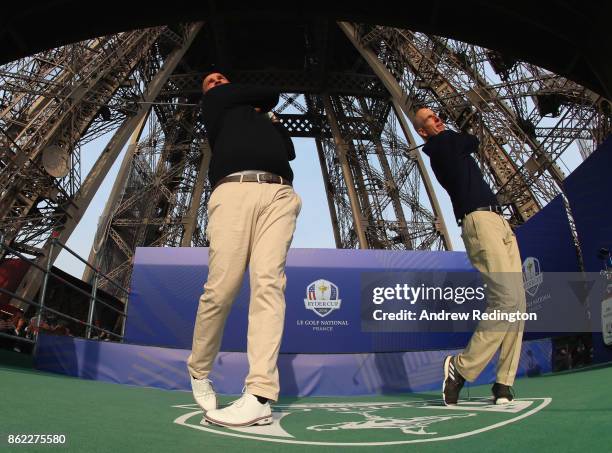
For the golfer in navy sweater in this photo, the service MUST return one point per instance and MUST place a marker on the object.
(492, 249)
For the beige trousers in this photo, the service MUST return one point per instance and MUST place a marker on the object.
(248, 224)
(492, 248)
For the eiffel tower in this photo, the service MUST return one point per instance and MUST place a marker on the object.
(352, 88)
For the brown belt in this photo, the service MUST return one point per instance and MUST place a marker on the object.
(267, 178)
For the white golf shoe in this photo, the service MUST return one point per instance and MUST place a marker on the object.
(204, 394)
(246, 411)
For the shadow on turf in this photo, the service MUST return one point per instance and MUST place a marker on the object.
(12, 359)
(434, 399)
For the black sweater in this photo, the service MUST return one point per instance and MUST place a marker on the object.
(240, 137)
(452, 163)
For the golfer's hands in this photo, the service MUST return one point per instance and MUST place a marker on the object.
(271, 115)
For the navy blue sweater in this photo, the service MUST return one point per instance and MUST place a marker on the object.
(242, 138)
(451, 161)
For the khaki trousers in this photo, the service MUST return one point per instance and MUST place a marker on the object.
(248, 224)
(492, 248)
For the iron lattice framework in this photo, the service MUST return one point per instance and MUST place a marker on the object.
(54, 103)
(355, 104)
(375, 184)
(160, 204)
(524, 116)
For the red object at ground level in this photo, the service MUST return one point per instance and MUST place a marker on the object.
(12, 272)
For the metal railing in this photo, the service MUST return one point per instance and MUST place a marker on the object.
(48, 272)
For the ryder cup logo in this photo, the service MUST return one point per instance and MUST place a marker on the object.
(322, 297)
(532, 275)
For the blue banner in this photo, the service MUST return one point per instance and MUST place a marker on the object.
(547, 238)
(588, 192)
(322, 298)
(300, 374)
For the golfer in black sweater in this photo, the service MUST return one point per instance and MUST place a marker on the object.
(251, 220)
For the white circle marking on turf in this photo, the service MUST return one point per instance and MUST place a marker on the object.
(182, 420)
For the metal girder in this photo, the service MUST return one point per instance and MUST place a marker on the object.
(286, 81)
(415, 66)
(402, 104)
(341, 147)
(114, 198)
(439, 222)
(191, 218)
(384, 209)
(162, 196)
(329, 193)
(72, 213)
